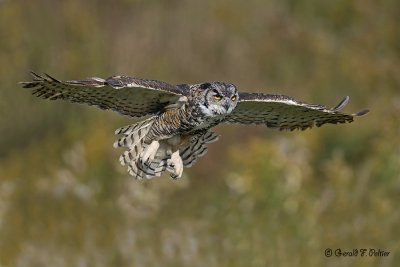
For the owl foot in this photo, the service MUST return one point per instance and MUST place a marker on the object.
(175, 165)
(148, 155)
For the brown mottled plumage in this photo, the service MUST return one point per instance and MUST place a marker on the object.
(177, 133)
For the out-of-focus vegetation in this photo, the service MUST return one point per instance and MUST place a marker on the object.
(259, 197)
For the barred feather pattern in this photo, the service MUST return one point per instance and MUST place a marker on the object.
(140, 170)
(129, 96)
(135, 140)
(163, 128)
(176, 121)
(197, 148)
(133, 134)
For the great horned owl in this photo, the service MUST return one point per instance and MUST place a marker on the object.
(177, 130)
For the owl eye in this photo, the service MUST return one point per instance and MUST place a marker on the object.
(233, 98)
(217, 97)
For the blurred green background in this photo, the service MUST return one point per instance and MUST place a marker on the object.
(260, 197)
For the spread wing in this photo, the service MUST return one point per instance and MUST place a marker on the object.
(127, 95)
(286, 113)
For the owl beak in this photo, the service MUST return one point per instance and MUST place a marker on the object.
(226, 106)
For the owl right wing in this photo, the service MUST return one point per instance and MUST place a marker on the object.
(286, 113)
(129, 96)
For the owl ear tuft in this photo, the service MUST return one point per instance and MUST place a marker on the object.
(205, 85)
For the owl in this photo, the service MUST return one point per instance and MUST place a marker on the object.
(175, 131)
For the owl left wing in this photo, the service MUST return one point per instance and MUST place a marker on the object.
(129, 96)
(286, 113)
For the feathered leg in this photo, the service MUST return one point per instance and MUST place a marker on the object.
(148, 155)
(175, 165)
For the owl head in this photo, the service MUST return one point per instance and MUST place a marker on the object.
(216, 98)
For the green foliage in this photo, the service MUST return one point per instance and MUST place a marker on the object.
(259, 197)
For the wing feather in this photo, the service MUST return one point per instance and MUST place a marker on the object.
(127, 95)
(197, 148)
(286, 113)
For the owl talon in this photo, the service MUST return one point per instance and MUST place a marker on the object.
(148, 155)
(175, 165)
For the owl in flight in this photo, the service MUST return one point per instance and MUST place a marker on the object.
(176, 131)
